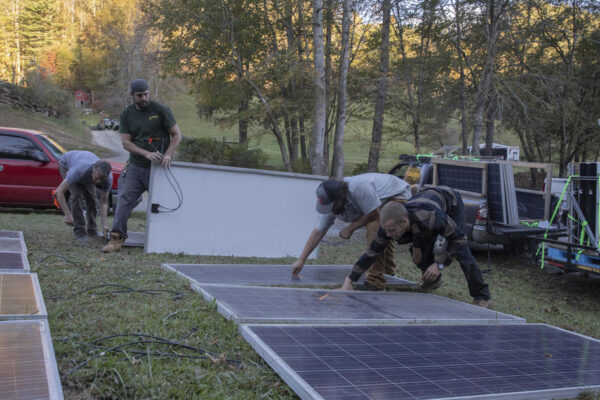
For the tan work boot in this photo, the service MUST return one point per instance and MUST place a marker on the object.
(483, 303)
(115, 243)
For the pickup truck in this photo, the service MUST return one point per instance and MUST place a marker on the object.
(29, 172)
(498, 212)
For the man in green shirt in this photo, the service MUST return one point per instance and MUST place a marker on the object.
(150, 134)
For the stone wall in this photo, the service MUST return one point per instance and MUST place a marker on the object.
(15, 97)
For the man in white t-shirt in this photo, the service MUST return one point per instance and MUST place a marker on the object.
(357, 200)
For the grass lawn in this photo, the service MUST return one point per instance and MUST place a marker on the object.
(79, 315)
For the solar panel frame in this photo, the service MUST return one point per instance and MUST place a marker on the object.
(247, 274)
(135, 239)
(276, 305)
(17, 255)
(13, 245)
(50, 366)
(41, 313)
(11, 234)
(315, 367)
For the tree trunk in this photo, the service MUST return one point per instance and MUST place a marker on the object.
(328, 33)
(489, 129)
(337, 166)
(243, 122)
(317, 161)
(377, 133)
(303, 152)
(274, 124)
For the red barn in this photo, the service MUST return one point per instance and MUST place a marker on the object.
(82, 98)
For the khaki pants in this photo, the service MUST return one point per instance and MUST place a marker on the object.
(384, 263)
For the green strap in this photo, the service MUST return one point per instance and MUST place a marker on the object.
(560, 200)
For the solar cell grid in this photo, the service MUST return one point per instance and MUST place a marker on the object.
(248, 304)
(26, 369)
(10, 244)
(20, 297)
(456, 370)
(12, 261)
(11, 234)
(495, 193)
(460, 177)
(265, 275)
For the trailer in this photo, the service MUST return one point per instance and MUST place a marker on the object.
(577, 248)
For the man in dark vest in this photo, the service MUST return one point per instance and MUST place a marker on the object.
(429, 218)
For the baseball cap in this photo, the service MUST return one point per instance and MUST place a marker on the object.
(327, 193)
(138, 85)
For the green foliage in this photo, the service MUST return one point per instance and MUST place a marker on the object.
(44, 93)
(360, 168)
(212, 151)
(301, 167)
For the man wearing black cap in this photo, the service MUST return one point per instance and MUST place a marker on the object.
(150, 134)
(357, 200)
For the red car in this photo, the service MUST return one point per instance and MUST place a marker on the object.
(29, 169)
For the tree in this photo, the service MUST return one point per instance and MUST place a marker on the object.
(337, 167)
(382, 84)
(317, 161)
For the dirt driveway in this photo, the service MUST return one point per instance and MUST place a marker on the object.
(112, 141)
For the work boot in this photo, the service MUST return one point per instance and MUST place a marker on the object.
(484, 303)
(366, 287)
(115, 243)
(429, 286)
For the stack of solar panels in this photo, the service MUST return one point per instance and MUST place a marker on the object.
(393, 345)
(27, 363)
(510, 194)
(502, 197)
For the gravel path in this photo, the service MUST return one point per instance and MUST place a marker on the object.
(112, 141)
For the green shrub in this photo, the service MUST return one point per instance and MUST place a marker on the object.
(360, 168)
(47, 96)
(301, 167)
(239, 155)
(211, 151)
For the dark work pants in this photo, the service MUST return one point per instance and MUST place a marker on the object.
(137, 180)
(478, 289)
(80, 193)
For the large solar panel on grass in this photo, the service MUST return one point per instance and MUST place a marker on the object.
(249, 304)
(527, 361)
(273, 275)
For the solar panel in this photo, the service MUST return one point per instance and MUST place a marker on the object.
(135, 239)
(248, 304)
(530, 205)
(10, 261)
(526, 361)
(21, 297)
(10, 244)
(495, 193)
(460, 177)
(271, 275)
(11, 234)
(27, 363)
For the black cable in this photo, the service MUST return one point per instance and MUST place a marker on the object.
(177, 190)
(158, 341)
(125, 289)
(57, 255)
